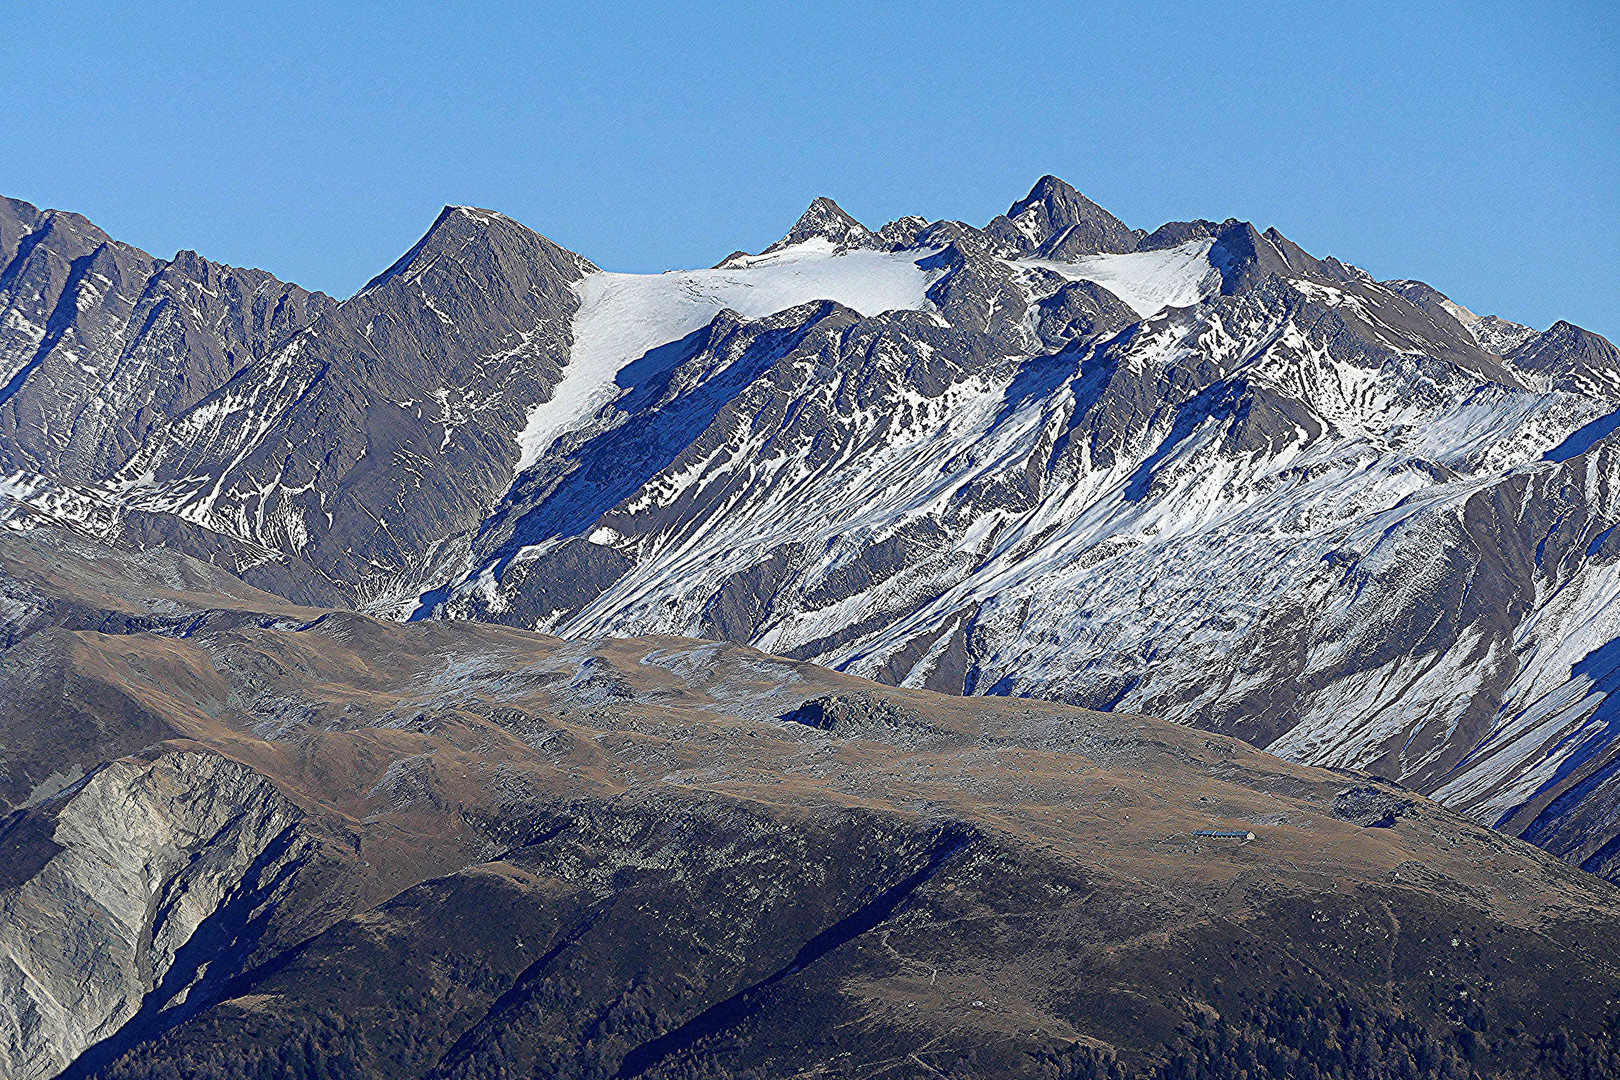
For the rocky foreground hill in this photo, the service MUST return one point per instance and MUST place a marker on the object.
(1198, 472)
(244, 838)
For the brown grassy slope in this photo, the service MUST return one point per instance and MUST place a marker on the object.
(665, 877)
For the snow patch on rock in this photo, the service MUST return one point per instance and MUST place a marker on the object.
(1148, 281)
(623, 316)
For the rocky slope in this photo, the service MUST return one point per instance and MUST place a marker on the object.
(1197, 472)
(101, 344)
(353, 848)
(333, 458)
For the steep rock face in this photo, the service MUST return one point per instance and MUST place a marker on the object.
(100, 343)
(364, 441)
(105, 886)
(331, 450)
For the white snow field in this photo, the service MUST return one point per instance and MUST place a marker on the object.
(1148, 281)
(622, 316)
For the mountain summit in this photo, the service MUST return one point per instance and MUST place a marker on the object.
(1056, 221)
(824, 220)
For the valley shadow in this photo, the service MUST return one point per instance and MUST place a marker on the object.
(1087, 366)
(731, 1012)
(1088, 371)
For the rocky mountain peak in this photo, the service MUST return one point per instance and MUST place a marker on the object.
(1057, 222)
(25, 230)
(1570, 358)
(461, 231)
(1175, 233)
(902, 232)
(826, 220)
(380, 456)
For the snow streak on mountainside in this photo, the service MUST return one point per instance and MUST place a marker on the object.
(1196, 472)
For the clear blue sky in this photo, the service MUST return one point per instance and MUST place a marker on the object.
(1472, 145)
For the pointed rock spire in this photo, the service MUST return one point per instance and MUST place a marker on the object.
(1054, 221)
(826, 220)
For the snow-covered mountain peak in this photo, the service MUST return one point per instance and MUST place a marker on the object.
(1569, 358)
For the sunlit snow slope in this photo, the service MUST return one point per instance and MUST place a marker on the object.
(621, 317)
(1149, 281)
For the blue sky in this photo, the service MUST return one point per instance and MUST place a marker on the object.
(1472, 145)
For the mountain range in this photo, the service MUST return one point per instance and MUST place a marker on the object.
(1196, 473)
(847, 659)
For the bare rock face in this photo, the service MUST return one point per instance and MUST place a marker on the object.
(1373, 807)
(367, 441)
(101, 344)
(329, 451)
(856, 715)
(109, 882)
